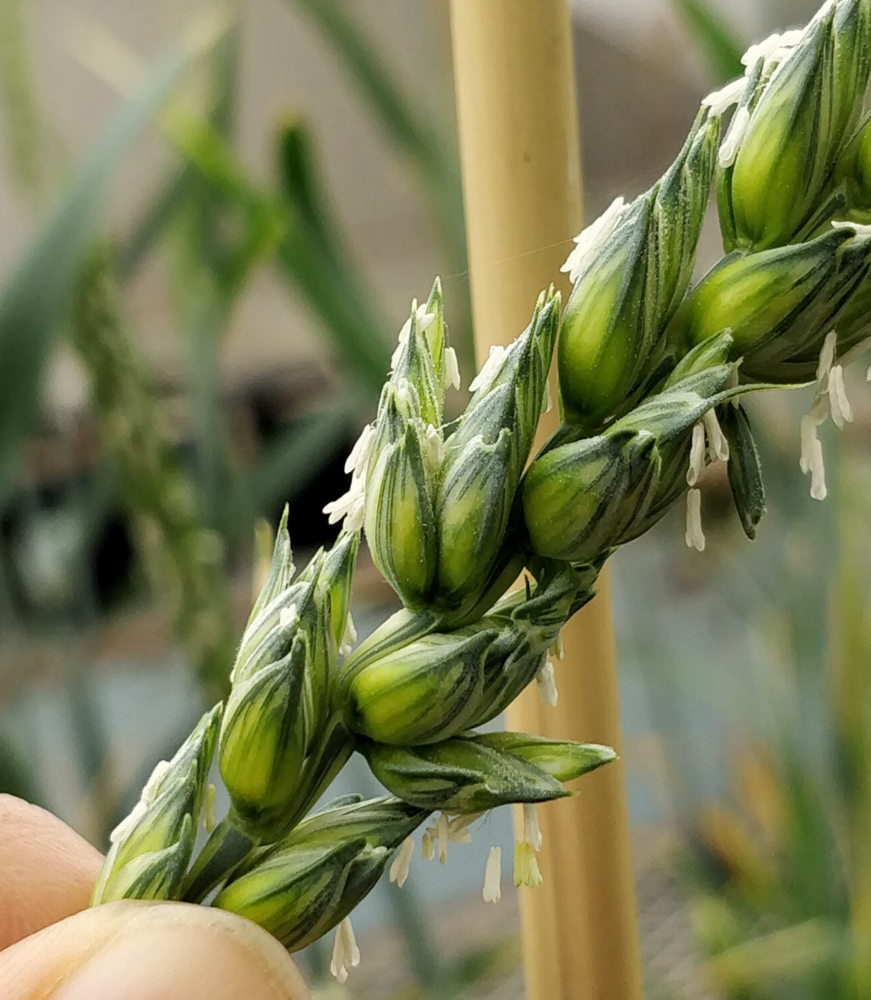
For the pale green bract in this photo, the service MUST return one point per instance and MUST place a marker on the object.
(650, 379)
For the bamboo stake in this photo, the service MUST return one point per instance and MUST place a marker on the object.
(522, 183)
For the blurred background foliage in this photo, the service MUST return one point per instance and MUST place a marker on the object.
(211, 221)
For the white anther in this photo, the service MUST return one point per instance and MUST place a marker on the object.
(526, 870)
(718, 446)
(349, 638)
(842, 412)
(531, 829)
(287, 616)
(590, 240)
(695, 536)
(346, 954)
(152, 786)
(452, 368)
(427, 844)
(351, 505)
(127, 825)
(775, 48)
(734, 137)
(721, 100)
(490, 369)
(827, 359)
(402, 862)
(547, 405)
(546, 680)
(362, 448)
(434, 448)
(493, 876)
(697, 455)
(209, 802)
(862, 231)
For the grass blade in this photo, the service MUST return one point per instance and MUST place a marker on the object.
(40, 290)
(716, 38)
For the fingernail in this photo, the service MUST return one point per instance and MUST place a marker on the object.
(177, 952)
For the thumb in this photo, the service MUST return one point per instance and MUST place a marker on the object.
(150, 951)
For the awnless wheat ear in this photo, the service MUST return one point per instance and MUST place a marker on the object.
(650, 378)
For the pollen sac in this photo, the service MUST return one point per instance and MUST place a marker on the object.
(584, 498)
(310, 880)
(476, 773)
(778, 305)
(802, 104)
(485, 456)
(423, 692)
(611, 342)
(151, 849)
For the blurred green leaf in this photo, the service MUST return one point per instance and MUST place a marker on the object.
(385, 97)
(716, 38)
(334, 296)
(299, 176)
(15, 776)
(431, 154)
(152, 224)
(39, 292)
(23, 124)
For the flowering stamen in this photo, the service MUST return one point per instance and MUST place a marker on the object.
(861, 231)
(351, 505)
(362, 448)
(695, 536)
(349, 638)
(697, 455)
(547, 404)
(531, 829)
(721, 100)
(526, 870)
(490, 369)
(546, 681)
(443, 837)
(590, 240)
(458, 827)
(402, 862)
(209, 800)
(434, 448)
(827, 359)
(830, 400)
(423, 319)
(427, 844)
(346, 954)
(842, 412)
(287, 616)
(775, 48)
(452, 368)
(718, 446)
(493, 876)
(734, 138)
(811, 461)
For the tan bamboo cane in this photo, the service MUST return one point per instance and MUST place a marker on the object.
(522, 182)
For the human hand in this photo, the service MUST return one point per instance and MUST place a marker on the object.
(52, 947)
